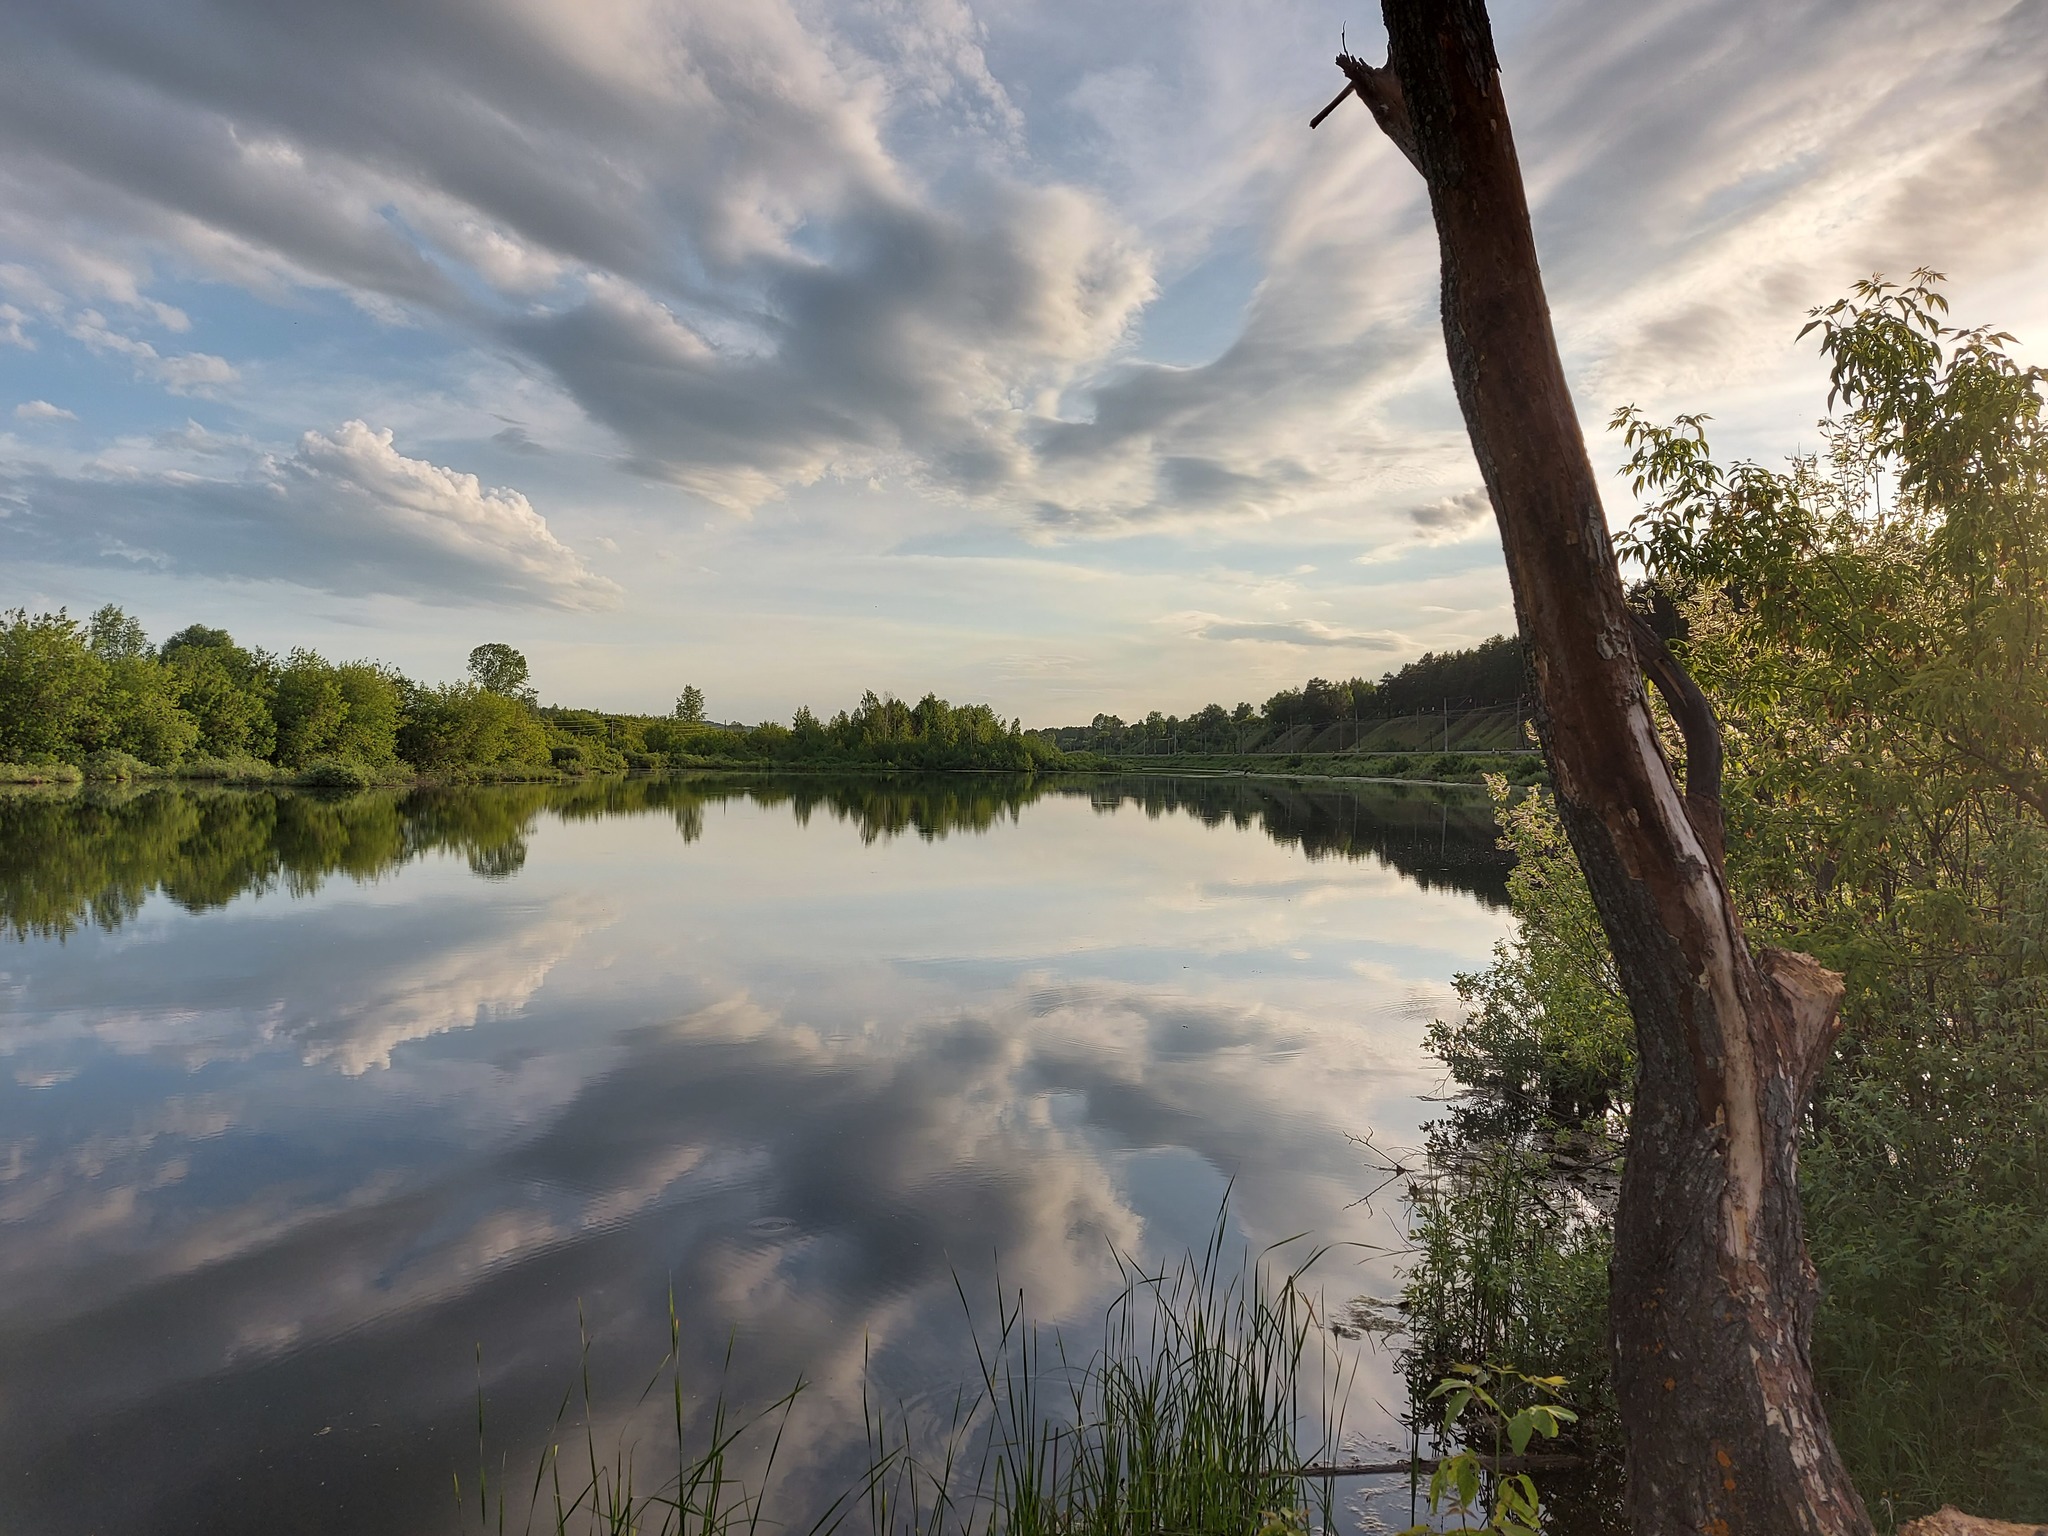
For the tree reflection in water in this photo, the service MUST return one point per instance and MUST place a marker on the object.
(71, 858)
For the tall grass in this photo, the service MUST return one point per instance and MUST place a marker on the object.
(1188, 1419)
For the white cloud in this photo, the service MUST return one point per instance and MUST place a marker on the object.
(42, 410)
(768, 250)
(345, 513)
(357, 475)
(1308, 632)
(185, 373)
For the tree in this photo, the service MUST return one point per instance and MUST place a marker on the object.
(463, 726)
(690, 705)
(497, 668)
(50, 682)
(140, 710)
(115, 635)
(225, 689)
(1713, 1294)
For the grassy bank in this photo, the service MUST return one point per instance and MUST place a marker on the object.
(322, 773)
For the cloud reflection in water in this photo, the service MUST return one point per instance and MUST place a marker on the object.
(301, 1147)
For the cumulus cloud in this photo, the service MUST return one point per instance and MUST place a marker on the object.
(345, 513)
(42, 410)
(1298, 632)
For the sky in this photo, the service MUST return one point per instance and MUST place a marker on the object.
(1027, 351)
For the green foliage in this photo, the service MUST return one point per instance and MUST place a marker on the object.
(325, 710)
(229, 770)
(39, 773)
(463, 726)
(1544, 1039)
(334, 773)
(116, 636)
(113, 766)
(497, 668)
(1510, 1249)
(1871, 624)
(690, 705)
(140, 711)
(225, 691)
(1455, 1486)
(50, 683)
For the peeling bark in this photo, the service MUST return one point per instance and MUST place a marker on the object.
(1712, 1292)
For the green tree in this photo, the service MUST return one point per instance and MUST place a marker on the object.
(690, 705)
(309, 708)
(373, 696)
(462, 726)
(50, 686)
(140, 711)
(1869, 624)
(226, 689)
(497, 668)
(115, 635)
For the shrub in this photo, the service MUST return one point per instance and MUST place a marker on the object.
(113, 765)
(39, 773)
(335, 773)
(236, 770)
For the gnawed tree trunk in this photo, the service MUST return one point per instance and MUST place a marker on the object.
(1712, 1294)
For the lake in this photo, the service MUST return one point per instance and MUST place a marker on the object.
(320, 1112)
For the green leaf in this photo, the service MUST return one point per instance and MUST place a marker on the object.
(1520, 1428)
(1468, 1480)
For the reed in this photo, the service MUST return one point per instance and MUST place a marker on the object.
(1189, 1418)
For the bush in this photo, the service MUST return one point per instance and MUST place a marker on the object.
(335, 773)
(583, 755)
(114, 765)
(39, 773)
(235, 770)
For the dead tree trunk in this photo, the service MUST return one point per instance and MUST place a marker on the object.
(1712, 1293)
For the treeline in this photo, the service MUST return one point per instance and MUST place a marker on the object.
(95, 699)
(1487, 676)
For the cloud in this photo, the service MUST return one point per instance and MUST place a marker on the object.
(1452, 515)
(42, 410)
(517, 440)
(185, 373)
(749, 247)
(1298, 632)
(345, 513)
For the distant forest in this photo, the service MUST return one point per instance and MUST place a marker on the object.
(95, 699)
(1488, 676)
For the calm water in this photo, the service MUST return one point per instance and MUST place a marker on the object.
(306, 1100)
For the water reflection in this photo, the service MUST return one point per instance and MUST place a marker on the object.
(302, 1098)
(73, 857)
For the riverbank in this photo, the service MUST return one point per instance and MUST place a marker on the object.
(1450, 768)
(326, 773)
